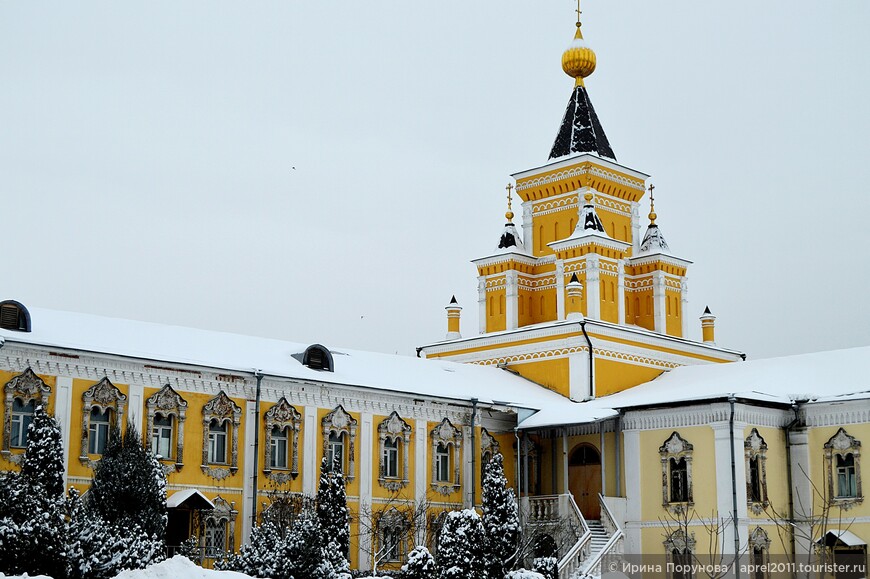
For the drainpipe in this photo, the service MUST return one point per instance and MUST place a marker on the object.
(731, 401)
(473, 442)
(259, 378)
(591, 360)
(795, 407)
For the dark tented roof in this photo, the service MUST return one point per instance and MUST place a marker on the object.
(581, 132)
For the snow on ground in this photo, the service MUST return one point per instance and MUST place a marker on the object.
(179, 566)
(174, 568)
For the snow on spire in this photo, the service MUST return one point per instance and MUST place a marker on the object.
(510, 238)
(653, 240)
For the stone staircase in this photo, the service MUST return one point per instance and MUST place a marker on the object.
(592, 539)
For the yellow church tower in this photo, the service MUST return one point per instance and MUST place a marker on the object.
(579, 302)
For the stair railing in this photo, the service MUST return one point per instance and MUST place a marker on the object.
(592, 567)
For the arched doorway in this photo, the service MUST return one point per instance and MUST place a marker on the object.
(584, 479)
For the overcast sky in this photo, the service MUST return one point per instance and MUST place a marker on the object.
(325, 171)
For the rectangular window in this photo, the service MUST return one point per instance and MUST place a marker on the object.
(754, 480)
(22, 417)
(279, 448)
(335, 451)
(98, 430)
(217, 442)
(161, 436)
(679, 481)
(442, 463)
(846, 483)
(392, 544)
(391, 458)
(215, 538)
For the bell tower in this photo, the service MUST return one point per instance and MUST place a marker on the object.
(581, 273)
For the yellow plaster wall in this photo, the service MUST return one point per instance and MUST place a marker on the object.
(75, 467)
(458, 455)
(5, 377)
(821, 476)
(496, 306)
(673, 313)
(614, 375)
(551, 373)
(378, 490)
(609, 295)
(703, 471)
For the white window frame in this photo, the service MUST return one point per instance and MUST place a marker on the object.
(278, 447)
(21, 421)
(674, 450)
(221, 410)
(217, 441)
(340, 424)
(99, 431)
(162, 436)
(168, 403)
(285, 418)
(102, 396)
(448, 437)
(26, 386)
(755, 452)
(840, 446)
(394, 440)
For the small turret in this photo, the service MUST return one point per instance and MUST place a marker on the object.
(453, 314)
(708, 326)
(574, 303)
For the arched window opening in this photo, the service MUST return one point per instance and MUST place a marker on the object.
(679, 480)
(14, 316)
(584, 455)
(217, 441)
(335, 451)
(317, 357)
(161, 436)
(99, 429)
(278, 445)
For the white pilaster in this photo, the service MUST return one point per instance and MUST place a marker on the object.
(635, 228)
(684, 304)
(659, 306)
(593, 287)
(366, 462)
(63, 414)
(802, 488)
(724, 487)
(560, 289)
(620, 292)
(511, 294)
(481, 304)
(528, 234)
(250, 464)
(310, 468)
(135, 404)
(421, 459)
(578, 376)
(633, 487)
(467, 471)
(565, 486)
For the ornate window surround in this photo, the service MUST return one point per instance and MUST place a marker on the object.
(842, 444)
(682, 543)
(675, 447)
(105, 396)
(451, 437)
(222, 409)
(759, 539)
(26, 386)
(224, 513)
(393, 428)
(489, 447)
(167, 402)
(393, 519)
(282, 415)
(755, 448)
(340, 423)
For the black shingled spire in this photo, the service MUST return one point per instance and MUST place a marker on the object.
(581, 132)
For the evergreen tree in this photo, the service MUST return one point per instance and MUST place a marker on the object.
(257, 557)
(501, 519)
(32, 525)
(420, 565)
(43, 459)
(332, 506)
(129, 487)
(461, 547)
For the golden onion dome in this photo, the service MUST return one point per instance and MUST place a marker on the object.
(578, 61)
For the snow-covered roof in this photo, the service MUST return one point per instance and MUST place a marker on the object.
(829, 376)
(190, 498)
(234, 352)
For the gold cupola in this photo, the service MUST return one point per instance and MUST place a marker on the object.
(578, 61)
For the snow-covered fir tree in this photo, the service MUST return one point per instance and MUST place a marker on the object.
(32, 523)
(129, 486)
(420, 565)
(501, 519)
(257, 557)
(43, 459)
(461, 547)
(332, 506)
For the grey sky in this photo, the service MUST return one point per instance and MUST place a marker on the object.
(147, 155)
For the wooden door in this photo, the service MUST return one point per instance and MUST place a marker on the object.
(584, 480)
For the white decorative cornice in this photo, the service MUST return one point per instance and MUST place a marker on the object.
(579, 165)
